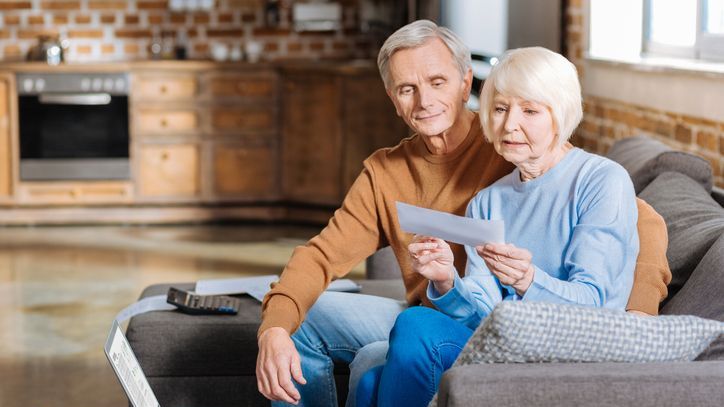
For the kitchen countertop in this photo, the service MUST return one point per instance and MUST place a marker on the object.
(339, 67)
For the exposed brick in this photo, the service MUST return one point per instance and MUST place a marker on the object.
(60, 19)
(316, 46)
(12, 52)
(225, 18)
(108, 49)
(708, 140)
(85, 34)
(270, 31)
(271, 46)
(152, 5)
(60, 5)
(130, 48)
(108, 18)
(107, 5)
(12, 19)
(248, 17)
(201, 19)
(129, 33)
(83, 19)
(15, 5)
(232, 4)
(201, 49)
(131, 19)
(155, 19)
(696, 121)
(236, 33)
(33, 34)
(4, 34)
(683, 134)
(178, 18)
(84, 49)
(36, 20)
(294, 46)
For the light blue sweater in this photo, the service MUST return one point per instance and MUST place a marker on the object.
(578, 220)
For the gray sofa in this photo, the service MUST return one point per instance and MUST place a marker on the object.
(210, 360)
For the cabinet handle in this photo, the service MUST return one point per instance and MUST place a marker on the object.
(164, 122)
(164, 156)
(163, 89)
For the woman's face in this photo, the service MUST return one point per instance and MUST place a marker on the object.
(524, 130)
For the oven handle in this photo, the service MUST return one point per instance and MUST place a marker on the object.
(87, 99)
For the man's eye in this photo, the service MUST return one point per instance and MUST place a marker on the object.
(407, 90)
(437, 84)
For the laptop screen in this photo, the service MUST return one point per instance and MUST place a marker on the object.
(127, 369)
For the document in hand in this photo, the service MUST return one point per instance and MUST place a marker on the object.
(449, 227)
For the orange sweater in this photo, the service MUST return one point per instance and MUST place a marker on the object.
(367, 221)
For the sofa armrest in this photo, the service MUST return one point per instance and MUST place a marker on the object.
(718, 195)
(585, 384)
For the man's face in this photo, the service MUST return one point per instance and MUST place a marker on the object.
(426, 87)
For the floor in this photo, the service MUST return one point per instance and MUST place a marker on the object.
(60, 288)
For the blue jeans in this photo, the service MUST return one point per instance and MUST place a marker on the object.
(342, 327)
(424, 343)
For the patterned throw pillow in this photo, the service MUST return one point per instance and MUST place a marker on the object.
(530, 332)
(521, 332)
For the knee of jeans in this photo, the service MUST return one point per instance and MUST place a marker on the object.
(367, 387)
(409, 322)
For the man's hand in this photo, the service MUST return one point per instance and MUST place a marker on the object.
(277, 363)
(433, 259)
(511, 265)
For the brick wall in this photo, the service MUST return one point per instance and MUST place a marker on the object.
(606, 121)
(110, 30)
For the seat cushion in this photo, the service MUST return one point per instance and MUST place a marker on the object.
(694, 221)
(645, 159)
(702, 295)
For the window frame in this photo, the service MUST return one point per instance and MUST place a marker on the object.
(708, 46)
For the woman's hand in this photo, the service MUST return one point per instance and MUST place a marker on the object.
(511, 265)
(433, 259)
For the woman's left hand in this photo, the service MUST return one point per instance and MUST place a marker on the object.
(510, 264)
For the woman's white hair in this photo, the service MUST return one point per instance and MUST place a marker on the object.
(416, 34)
(539, 75)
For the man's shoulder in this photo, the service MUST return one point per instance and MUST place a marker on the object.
(386, 156)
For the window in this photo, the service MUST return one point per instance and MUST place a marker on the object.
(672, 28)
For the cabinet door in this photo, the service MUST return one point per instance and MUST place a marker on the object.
(164, 87)
(244, 172)
(370, 123)
(311, 141)
(6, 154)
(169, 171)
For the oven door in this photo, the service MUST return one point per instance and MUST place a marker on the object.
(67, 136)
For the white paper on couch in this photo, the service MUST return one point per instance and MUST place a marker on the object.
(258, 286)
(449, 227)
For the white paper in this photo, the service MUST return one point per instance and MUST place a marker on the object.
(129, 372)
(449, 227)
(153, 303)
(257, 287)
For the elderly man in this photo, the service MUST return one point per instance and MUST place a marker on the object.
(427, 72)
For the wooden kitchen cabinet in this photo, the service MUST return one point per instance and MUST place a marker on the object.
(332, 121)
(7, 123)
(168, 171)
(244, 172)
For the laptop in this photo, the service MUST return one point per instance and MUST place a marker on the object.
(127, 369)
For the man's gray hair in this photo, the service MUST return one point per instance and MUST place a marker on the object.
(416, 34)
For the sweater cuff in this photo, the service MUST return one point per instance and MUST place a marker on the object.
(279, 310)
(649, 289)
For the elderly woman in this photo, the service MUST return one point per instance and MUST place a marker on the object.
(570, 219)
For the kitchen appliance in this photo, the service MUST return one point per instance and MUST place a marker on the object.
(73, 126)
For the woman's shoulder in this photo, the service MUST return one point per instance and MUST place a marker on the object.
(599, 167)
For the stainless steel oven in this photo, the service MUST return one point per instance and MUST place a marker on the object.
(73, 126)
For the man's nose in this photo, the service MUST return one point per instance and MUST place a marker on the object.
(424, 97)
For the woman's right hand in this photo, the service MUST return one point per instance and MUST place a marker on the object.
(433, 259)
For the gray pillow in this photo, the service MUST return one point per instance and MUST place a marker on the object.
(693, 219)
(523, 332)
(702, 295)
(645, 159)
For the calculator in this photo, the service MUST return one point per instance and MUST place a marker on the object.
(197, 304)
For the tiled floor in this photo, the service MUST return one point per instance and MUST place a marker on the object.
(61, 287)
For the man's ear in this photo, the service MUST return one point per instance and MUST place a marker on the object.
(392, 99)
(467, 84)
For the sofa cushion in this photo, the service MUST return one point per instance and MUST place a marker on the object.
(645, 159)
(693, 219)
(521, 332)
(702, 295)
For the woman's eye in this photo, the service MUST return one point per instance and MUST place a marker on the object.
(500, 109)
(530, 111)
